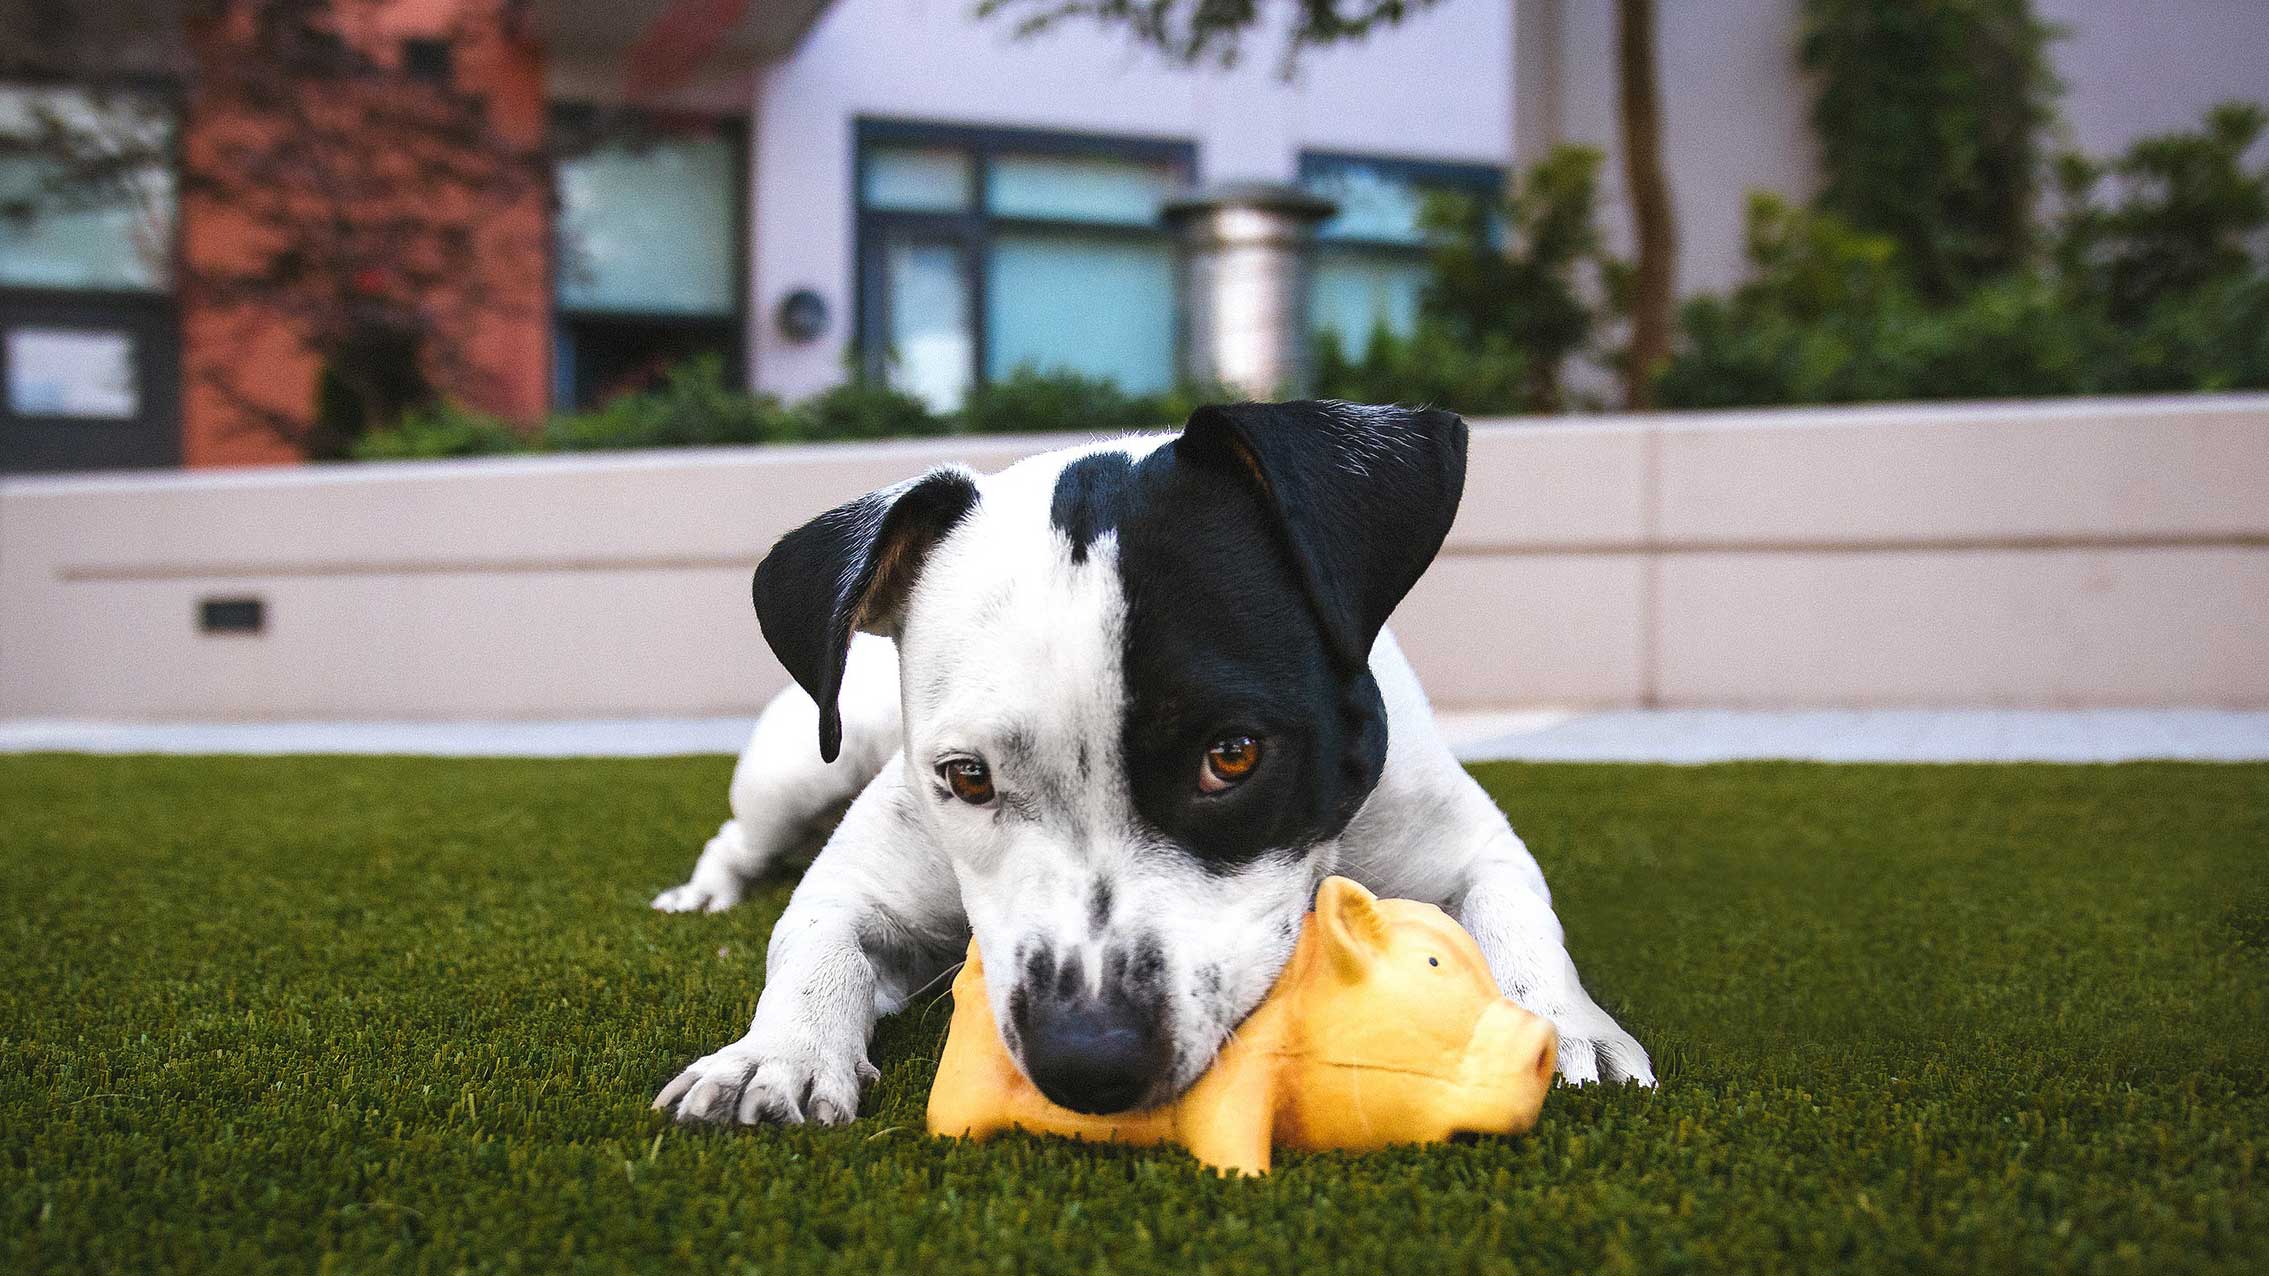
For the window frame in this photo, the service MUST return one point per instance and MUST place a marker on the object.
(152, 438)
(733, 128)
(973, 229)
(1481, 180)
(1475, 178)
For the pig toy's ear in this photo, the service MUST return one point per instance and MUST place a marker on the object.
(1353, 931)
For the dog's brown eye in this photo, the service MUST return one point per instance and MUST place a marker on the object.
(1228, 762)
(970, 780)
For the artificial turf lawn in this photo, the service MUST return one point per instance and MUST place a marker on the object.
(407, 1015)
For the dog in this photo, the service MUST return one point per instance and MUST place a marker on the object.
(1117, 710)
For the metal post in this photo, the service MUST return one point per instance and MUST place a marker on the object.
(1245, 251)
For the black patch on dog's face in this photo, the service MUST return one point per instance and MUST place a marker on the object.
(1221, 641)
(1088, 493)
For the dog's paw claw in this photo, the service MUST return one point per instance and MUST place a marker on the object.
(760, 1087)
(698, 897)
(1597, 1049)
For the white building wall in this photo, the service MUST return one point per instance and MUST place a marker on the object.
(2130, 69)
(1439, 87)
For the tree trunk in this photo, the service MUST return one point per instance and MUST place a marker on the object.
(1654, 276)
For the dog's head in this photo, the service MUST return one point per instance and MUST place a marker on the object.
(1138, 704)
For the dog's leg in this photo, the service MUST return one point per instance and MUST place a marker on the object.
(1508, 911)
(877, 920)
(1430, 831)
(781, 788)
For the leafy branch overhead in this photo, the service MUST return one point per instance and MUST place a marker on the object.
(1189, 31)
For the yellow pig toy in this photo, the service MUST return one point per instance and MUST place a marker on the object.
(1385, 1027)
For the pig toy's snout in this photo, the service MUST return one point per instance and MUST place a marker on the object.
(1509, 1069)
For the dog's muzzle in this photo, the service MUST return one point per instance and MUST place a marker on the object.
(1090, 1052)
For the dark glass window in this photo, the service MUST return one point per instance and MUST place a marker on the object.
(649, 264)
(984, 251)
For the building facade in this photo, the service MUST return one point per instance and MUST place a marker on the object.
(807, 189)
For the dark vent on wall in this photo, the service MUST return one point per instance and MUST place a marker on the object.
(232, 616)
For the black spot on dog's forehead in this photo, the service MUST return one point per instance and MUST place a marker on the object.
(1090, 495)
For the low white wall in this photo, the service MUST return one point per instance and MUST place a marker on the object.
(2084, 553)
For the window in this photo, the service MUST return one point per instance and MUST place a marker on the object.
(982, 252)
(648, 264)
(86, 191)
(1370, 264)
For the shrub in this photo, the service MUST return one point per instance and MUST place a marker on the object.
(1515, 273)
(442, 429)
(1029, 400)
(2157, 289)
(1929, 118)
(692, 407)
(1431, 366)
(2185, 215)
(2215, 337)
(863, 409)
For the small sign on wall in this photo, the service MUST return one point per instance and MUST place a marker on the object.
(72, 372)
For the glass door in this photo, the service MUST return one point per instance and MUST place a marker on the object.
(924, 319)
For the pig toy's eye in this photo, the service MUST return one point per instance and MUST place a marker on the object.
(1433, 961)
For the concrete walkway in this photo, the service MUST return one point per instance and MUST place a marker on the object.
(1685, 735)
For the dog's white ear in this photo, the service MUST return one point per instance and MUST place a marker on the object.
(850, 569)
(1364, 497)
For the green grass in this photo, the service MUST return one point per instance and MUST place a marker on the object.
(404, 1015)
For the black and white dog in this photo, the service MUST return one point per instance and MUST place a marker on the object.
(1118, 710)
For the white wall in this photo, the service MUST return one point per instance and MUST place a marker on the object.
(1436, 88)
(2078, 553)
(2134, 69)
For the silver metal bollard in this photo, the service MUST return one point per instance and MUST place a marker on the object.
(1245, 251)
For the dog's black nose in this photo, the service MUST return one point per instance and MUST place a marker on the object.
(1094, 1055)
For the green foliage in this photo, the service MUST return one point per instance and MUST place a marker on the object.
(2186, 215)
(1528, 292)
(406, 1015)
(692, 407)
(1209, 30)
(1433, 366)
(863, 409)
(1929, 119)
(2158, 289)
(1828, 317)
(440, 430)
(1518, 287)
(1029, 400)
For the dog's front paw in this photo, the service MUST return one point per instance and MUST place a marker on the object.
(1594, 1047)
(755, 1084)
(701, 895)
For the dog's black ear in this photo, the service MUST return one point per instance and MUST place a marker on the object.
(849, 569)
(1364, 496)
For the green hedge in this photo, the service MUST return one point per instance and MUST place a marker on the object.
(693, 407)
